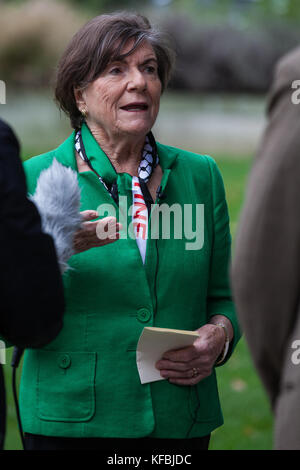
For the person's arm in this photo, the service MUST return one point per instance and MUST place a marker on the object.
(32, 299)
(266, 267)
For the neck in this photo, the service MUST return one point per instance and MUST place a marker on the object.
(123, 151)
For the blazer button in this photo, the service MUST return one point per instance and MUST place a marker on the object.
(143, 315)
(64, 361)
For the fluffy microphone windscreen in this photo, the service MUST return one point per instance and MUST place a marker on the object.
(57, 198)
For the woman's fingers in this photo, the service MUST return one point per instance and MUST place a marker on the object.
(103, 228)
(189, 376)
(89, 215)
(171, 373)
(107, 228)
(170, 365)
(187, 366)
(181, 355)
(97, 233)
(183, 370)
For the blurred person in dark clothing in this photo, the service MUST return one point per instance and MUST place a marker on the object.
(32, 299)
(266, 268)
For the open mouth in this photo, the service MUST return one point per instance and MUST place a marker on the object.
(135, 107)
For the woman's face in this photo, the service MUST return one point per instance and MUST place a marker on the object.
(125, 99)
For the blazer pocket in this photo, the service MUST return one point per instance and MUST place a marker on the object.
(66, 386)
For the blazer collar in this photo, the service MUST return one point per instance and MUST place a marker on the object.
(65, 154)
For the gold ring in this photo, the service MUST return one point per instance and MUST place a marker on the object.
(196, 371)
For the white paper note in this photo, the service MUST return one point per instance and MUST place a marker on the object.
(153, 343)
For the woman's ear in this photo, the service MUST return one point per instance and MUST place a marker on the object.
(78, 94)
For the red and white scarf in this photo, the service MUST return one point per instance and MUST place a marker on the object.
(139, 217)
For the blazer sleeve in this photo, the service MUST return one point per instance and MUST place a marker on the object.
(266, 267)
(219, 300)
(32, 299)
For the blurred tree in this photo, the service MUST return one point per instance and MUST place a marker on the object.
(292, 10)
(95, 5)
(109, 5)
(282, 10)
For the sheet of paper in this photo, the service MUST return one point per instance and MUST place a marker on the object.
(152, 343)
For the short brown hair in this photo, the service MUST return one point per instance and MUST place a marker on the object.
(99, 42)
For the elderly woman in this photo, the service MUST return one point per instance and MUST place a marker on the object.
(84, 388)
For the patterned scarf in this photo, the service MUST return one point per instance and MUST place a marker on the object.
(148, 162)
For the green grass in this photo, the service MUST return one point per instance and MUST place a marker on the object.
(235, 175)
(247, 416)
(248, 420)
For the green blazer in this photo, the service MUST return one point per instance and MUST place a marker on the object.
(86, 383)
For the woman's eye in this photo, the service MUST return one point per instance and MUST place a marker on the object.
(150, 69)
(115, 71)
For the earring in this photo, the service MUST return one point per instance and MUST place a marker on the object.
(84, 112)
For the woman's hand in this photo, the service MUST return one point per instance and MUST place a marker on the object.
(94, 234)
(190, 365)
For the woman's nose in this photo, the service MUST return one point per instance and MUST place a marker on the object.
(137, 80)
